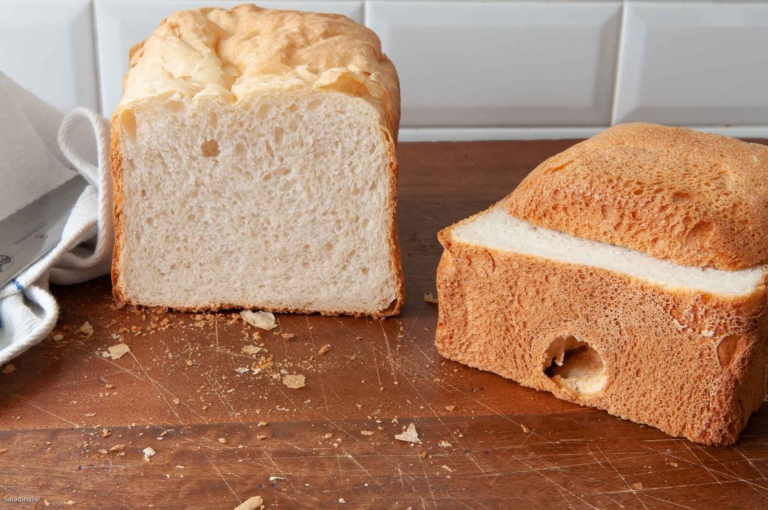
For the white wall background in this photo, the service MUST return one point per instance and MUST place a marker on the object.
(469, 70)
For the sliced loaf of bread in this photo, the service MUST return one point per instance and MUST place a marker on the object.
(253, 155)
(627, 274)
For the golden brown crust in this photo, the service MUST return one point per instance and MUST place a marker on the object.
(691, 364)
(239, 53)
(697, 199)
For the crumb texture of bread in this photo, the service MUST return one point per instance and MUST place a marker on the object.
(254, 163)
(687, 361)
(697, 199)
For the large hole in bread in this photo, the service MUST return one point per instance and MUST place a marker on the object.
(575, 366)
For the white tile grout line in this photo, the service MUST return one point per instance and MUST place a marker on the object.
(97, 61)
(619, 60)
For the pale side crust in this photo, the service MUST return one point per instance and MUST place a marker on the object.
(697, 199)
(116, 162)
(499, 311)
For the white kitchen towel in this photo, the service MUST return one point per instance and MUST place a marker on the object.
(28, 311)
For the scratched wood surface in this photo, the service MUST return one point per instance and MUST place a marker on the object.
(486, 441)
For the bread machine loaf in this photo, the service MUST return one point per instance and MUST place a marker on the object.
(253, 155)
(627, 273)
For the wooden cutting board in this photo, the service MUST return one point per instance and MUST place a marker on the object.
(74, 423)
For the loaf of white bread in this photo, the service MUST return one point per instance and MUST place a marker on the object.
(253, 155)
(627, 273)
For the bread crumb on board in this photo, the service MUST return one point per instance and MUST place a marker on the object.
(525, 429)
(324, 349)
(444, 444)
(9, 369)
(429, 298)
(262, 320)
(251, 349)
(288, 336)
(294, 381)
(86, 329)
(250, 503)
(148, 453)
(366, 432)
(410, 435)
(118, 351)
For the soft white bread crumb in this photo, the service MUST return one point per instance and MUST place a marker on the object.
(279, 202)
(497, 229)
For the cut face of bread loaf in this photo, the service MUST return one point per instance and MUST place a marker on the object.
(254, 164)
(679, 347)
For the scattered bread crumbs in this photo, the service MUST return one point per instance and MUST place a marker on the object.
(450, 408)
(242, 370)
(294, 381)
(273, 478)
(410, 435)
(324, 349)
(117, 448)
(358, 338)
(423, 455)
(447, 468)
(366, 432)
(105, 433)
(148, 453)
(250, 503)
(90, 415)
(222, 440)
(3, 450)
(429, 298)
(70, 503)
(444, 444)
(86, 329)
(251, 349)
(262, 320)
(176, 401)
(262, 424)
(328, 435)
(46, 503)
(288, 336)
(261, 437)
(118, 351)
(673, 464)
(525, 429)
(9, 369)
(58, 337)
(638, 486)
(341, 500)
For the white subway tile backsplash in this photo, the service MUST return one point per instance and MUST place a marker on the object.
(47, 47)
(693, 64)
(501, 64)
(124, 23)
(469, 69)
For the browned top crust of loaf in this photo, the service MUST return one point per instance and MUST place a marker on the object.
(697, 199)
(231, 54)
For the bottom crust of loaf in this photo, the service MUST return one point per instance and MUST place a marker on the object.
(689, 363)
(391, 311)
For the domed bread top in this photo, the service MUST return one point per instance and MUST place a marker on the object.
(694, 198)
(230, 55)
